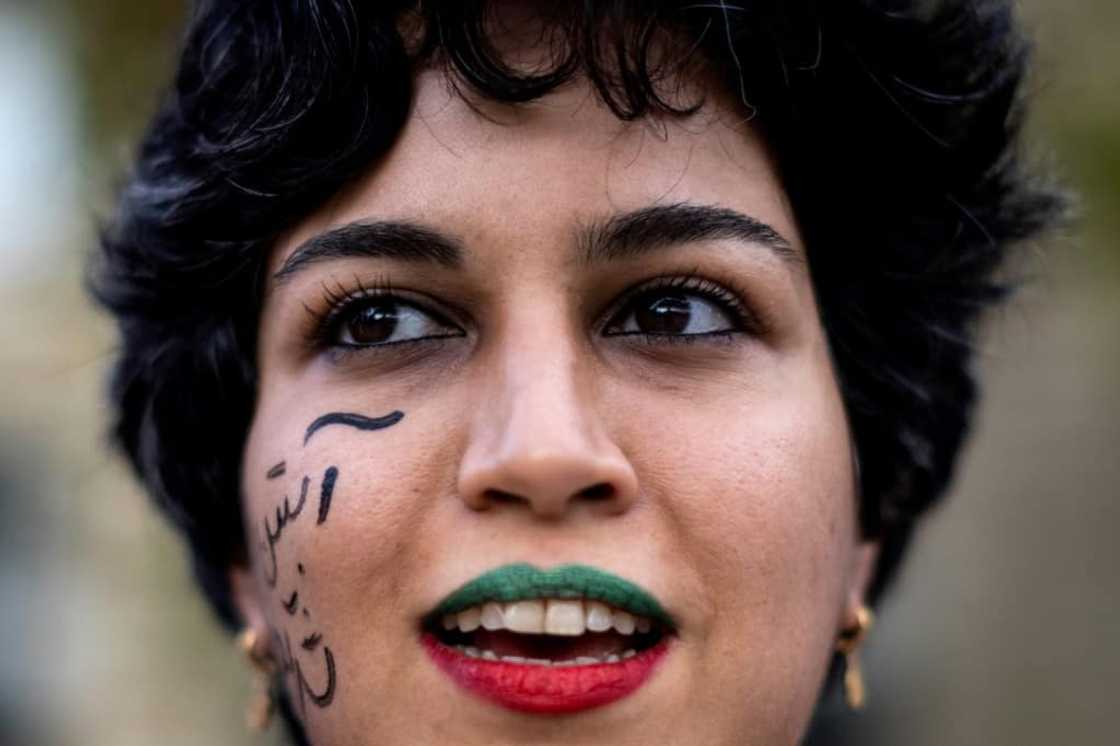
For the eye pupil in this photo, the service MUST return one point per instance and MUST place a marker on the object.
(374, 324)
(664, 314)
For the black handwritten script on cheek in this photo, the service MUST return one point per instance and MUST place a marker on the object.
(285, 514)
(326, 492)
(312, 654)
(359, 421)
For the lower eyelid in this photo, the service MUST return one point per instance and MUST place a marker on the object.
(340, 353)
(726, 335)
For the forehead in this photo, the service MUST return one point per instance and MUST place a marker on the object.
(472, 166)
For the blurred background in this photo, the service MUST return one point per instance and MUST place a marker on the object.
(1005, 627)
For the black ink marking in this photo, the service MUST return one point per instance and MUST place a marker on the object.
(306, 613)
(324, 699)
(283, 517)
(359, 421)
(276, 471)
(292, 603)
(325, 494)
(289, 664)
(299, 567)
(311, 642)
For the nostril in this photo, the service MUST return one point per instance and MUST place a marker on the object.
(500, 497)
(597, 492)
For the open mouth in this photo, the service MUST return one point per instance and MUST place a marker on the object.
(548, 632)
(548, 641)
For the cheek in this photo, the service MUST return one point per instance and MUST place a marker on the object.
(365, 534)
(378, 537)
(757, 482)
(767, 499)
(331, 560)
(760, 507)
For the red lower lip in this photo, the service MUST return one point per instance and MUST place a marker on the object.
(546, 689)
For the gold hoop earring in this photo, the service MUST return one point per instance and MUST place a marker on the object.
(261, 705)
(855, 692)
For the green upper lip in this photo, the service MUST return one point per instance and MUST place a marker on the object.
(523, 581)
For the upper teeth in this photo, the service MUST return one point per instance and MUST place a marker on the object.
(553, 616)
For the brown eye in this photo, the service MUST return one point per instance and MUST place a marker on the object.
(382, 321)
(668, 314)
(673, 313)
(372, 325)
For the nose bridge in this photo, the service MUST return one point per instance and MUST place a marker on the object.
(541, 382)
(538, 439)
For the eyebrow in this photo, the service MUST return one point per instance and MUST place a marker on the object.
(403, 241)
(632, 234)
(623, 236)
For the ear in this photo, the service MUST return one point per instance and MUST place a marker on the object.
(246, 594)
(859, 580)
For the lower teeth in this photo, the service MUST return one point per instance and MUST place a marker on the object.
(583, 660)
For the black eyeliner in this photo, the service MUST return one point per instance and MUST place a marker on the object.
(341, 304)
(729, 301)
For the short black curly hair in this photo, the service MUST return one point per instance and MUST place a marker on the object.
(895, 125)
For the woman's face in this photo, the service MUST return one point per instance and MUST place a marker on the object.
(545, 337)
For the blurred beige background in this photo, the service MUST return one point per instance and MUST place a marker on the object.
(1005, 627)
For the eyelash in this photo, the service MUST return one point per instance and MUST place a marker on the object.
(728, 302)
(341, 304)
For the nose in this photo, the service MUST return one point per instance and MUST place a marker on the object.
(538, 442)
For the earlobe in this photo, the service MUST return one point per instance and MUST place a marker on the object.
(255, 644)
(243, 590)
(859, 580)
(864, 560)
(856, 622)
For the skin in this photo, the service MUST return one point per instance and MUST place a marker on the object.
(727, 461)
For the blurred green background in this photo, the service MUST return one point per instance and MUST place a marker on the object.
(1004, 629)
